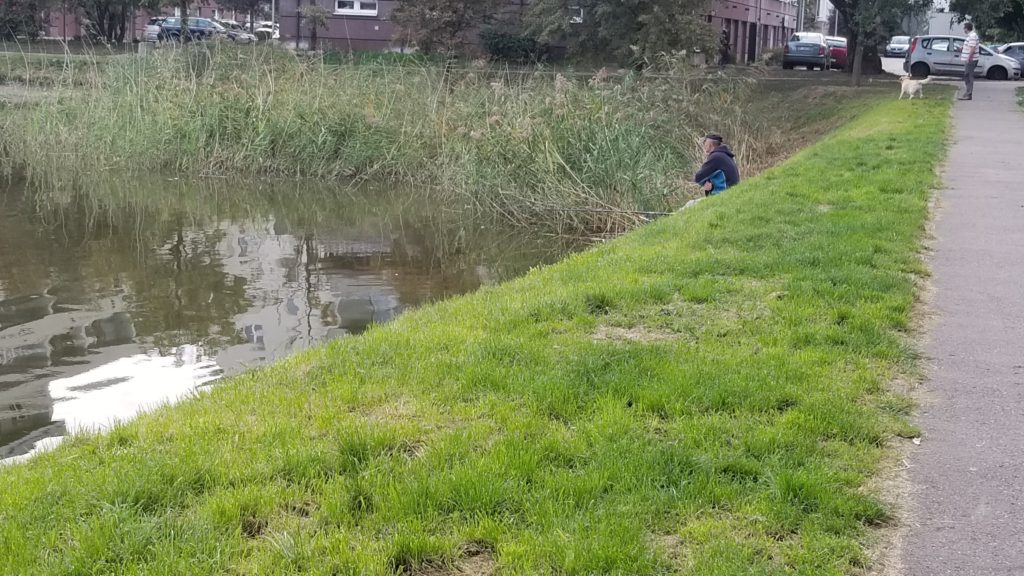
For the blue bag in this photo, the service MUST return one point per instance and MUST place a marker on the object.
(718, 184)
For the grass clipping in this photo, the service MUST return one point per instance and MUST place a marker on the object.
(521, 430)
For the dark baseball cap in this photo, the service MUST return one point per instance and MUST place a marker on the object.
(714, 137)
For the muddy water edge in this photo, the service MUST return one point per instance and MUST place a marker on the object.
(144, 290)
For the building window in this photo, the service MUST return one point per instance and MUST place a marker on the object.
(216, 14)
(355, 7)
(177, 11)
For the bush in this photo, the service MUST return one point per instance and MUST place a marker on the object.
(511, 47)
(20, 18)
(773, 57)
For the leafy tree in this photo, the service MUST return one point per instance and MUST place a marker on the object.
(1000, 19)
(107, 19)
(810, 13)
(624, 30)
(316, 18)
(442, 25)
(20, 18)
(871, 22)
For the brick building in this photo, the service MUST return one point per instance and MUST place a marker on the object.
(753, 25)
(67, 25)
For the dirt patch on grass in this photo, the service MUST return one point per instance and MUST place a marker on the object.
(672, 546)
(893, 483)
(476, 562)
(893, 486)
(633, 334)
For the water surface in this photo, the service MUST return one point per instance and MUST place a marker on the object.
(120, 298)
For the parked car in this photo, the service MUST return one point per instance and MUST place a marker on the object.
(941, 56)
(236, 32)
(897, 47)
(1014, 50)
(152, 31)
(837, 51)
(267, 30)
(806, 49)
(198, 29)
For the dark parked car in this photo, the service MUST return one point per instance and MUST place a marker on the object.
(1014, 50)
(236, 32)
(837, 49)
(198, 29)
(806, 49)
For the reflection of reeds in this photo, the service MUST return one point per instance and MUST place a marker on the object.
(522, 146)
(424, 235)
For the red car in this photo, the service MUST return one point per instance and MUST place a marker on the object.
(837, 51)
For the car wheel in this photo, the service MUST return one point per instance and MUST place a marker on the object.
(787, 66)
(997, 73)
(920, 70)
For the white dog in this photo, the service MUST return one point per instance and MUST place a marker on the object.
(912, 87)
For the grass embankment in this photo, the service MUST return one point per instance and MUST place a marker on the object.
(46, 70)
(707, 395)
(511, 143)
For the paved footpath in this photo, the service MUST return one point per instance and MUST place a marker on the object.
(968, 473)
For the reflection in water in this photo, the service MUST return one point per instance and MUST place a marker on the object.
(117, 300)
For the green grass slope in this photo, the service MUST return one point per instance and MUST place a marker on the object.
(707, 395)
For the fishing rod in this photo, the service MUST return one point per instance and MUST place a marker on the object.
(613, 211)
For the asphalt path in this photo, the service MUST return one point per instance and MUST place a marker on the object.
(967, 502)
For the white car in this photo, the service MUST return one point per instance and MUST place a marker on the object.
(941, 56)
(152, 31)
(267, 30)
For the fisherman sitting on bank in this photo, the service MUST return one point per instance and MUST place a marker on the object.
(719, 171)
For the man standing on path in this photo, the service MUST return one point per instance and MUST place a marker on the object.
(970, 57)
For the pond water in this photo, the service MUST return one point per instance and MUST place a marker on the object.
(121, 299)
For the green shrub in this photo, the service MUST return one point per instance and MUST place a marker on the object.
(773, 57)
(510, 47)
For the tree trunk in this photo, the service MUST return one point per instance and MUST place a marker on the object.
(122, 24)
(858, 63)
(183, 7)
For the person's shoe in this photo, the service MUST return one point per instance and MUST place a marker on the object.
(966, 98)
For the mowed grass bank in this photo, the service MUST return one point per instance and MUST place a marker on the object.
(707, 395)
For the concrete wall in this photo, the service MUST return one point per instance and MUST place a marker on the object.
(344, 32)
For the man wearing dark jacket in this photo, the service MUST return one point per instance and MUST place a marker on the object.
(719, 171)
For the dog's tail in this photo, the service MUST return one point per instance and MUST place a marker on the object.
(926, 80)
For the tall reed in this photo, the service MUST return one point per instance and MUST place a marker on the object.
(508, 142)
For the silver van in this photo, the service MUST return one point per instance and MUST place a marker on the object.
(940, 56)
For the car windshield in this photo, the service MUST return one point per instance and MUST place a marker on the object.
(900, 40)
(805, 37)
